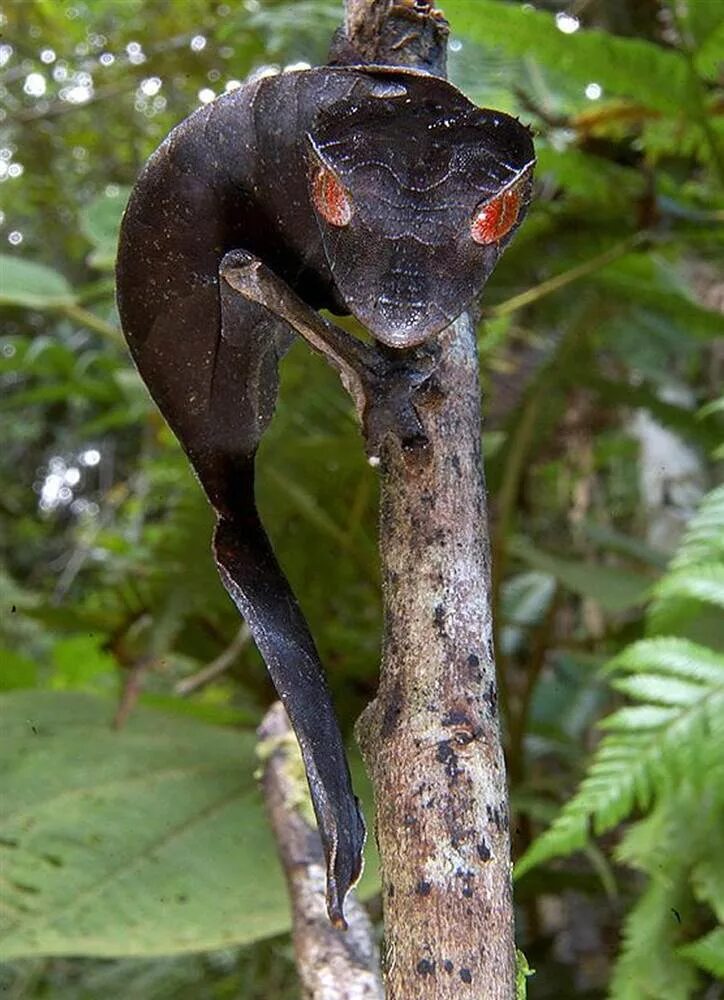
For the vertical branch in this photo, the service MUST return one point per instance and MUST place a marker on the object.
(431, 738)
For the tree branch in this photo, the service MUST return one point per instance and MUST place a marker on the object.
(431, 738)
(332, 964)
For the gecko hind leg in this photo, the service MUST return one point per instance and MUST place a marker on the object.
(253, 337)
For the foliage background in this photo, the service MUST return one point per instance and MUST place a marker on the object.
(598, 349)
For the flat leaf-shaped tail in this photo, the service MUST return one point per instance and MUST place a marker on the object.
(209, 358)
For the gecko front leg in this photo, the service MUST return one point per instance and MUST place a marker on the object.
(382, 383)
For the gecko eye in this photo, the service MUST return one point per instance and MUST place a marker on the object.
(330, 197)
(494, 219)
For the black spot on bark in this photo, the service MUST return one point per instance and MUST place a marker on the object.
(447, 756)
(425, 967)
(491, 699)
(447, 966)
(439, 619)
(390, 891)
(466, 975)
(455, 462)
(484, 851)
(497, 817)
(468, 878)
(423, 888)
(456, 718)
(473, 661)
(393, 711)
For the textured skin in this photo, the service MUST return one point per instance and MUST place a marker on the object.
(417, 160)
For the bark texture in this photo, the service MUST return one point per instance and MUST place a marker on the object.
(332, 964)
(431, 737)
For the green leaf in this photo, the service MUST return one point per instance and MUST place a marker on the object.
(709, 57)
(701, 583)
(675, 656)
(615, 590)
(523, 972)
(80, 662)
(26, 283)
(631, 67)
(707, 952)
(704, 537)
(659, 689)
(99, 223)
(147, 841)
(17, 671)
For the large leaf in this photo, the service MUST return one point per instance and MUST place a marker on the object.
(147, 841)
(25, 283)
(650, 74)
(615, 590)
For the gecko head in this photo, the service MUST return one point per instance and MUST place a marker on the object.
(416, 193)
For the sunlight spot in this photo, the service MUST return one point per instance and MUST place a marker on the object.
(567, 23)
(15, 237)
(151, 86)
(90, 457)
(197, 43)
(78, 94)
(47, 56)
(593, 91)
(35, 84)
(135, 53)
(206, 95)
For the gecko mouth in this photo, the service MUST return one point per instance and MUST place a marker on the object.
(400, 323)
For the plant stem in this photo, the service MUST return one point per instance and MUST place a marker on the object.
(564, 279)
(92, 322)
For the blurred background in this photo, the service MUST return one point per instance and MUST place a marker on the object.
(135, 860)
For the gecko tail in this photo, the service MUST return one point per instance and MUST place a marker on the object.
(256, 584)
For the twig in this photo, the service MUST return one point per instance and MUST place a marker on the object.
(565, 278)
(212, 670)
(131, 690)
(332, 964)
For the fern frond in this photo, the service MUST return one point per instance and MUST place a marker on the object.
(680, 727)
(707, 952)
(703, 541)
(649, 967)
(674, 657)
(700, 582)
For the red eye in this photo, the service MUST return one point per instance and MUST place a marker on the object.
(330, 198)
(495, 218)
